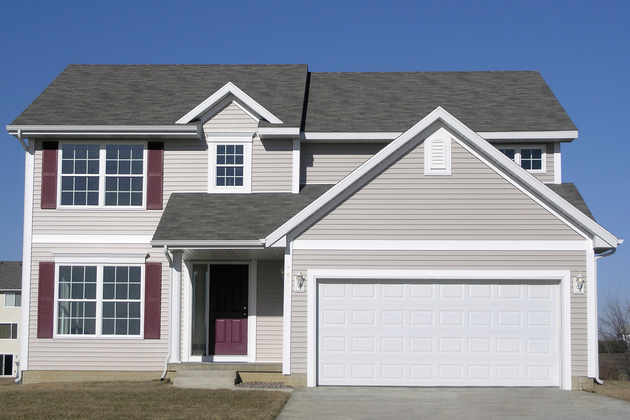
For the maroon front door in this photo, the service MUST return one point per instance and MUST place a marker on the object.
(228, 309)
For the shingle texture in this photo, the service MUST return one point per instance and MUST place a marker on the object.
(359, 102)
(160, 94)
(224, 217)
(10, 275)
(569, 192)
(485, 101)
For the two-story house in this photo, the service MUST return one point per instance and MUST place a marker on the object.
(349, 228)
(10, 315)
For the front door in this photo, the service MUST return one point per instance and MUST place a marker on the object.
(228, 309)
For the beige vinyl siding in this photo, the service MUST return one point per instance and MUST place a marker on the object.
(230, 118)
(272, 165)
(475, 202)
(269, 306)
(86, 353)
(328, 163)
(548, 148)
(575, 261)
(185, 166)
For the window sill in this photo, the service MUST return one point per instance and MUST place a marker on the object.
(97, 337)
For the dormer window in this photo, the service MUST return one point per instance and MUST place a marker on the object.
(531, 159)
(229, 165)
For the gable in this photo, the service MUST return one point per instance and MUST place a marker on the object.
(474, 202)
(229, 115)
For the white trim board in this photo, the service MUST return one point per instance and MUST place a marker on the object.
(27, 237)
(92, 239)
(287, 309)
(227, 89)
(563, 276)
(526, 181)
(444, 245)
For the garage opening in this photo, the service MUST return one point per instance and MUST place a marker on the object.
(438, 333)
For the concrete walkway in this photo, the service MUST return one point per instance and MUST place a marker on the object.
(451, 403)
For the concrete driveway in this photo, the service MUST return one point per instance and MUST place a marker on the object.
(450, 403)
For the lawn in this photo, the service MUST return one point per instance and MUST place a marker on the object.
(135, 400)
(614, 389)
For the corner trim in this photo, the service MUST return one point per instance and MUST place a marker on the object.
(27, 237)
(286, 312)
(295, 172)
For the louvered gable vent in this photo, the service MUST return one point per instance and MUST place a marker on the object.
(437, 155)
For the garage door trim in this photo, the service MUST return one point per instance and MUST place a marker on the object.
(563, 276)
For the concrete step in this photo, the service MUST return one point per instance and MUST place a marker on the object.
(205, 379)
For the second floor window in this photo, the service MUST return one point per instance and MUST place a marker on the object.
(102, 175)
(229, 165)
(12, 299)
(9, 331)
(528, 158)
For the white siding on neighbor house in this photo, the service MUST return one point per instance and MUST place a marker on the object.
(475, 202)
(329, 163)
(272, 165)
(269, 307)
(575, 261)
(11, 315)
(86, 353)
(547, 176)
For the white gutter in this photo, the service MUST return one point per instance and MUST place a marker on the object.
(202, 244)
(492, 136)
(189, 130)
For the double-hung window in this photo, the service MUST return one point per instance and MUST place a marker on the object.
(99, 300)
(102, 175)
(529, 158)
(229, 165)
(8, 331)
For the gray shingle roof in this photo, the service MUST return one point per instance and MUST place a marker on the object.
(161, 94)
(10, 275)
(483, 100)
(360, 102)
(225, 217)
(569, 192)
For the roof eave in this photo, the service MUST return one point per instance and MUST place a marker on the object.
(98, 131)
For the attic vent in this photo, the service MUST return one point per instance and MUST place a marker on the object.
(437, 156)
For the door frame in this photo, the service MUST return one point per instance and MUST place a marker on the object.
(562, 276)
(187, 312)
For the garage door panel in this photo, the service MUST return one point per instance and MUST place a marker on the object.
(453, 334)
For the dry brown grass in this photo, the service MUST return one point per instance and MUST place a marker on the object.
(135, 400)
(614, 389)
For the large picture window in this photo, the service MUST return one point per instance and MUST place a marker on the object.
(98, 175)
(99, 300)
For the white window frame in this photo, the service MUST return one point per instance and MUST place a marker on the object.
(102, 174)
(6, 294)
(213, 142)
(99, 300)
(517, 156)
(17, 331)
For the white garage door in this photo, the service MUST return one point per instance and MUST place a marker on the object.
(448, 334)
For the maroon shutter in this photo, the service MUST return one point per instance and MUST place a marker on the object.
(154, 175)
(152, 299)
(45, 299)
(49, 175)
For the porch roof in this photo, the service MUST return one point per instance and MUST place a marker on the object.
(229, 217)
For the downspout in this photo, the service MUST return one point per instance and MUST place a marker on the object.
(604, 254)
(18, 376)
(168, 355)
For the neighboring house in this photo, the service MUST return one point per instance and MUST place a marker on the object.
(356, 228)
(10, 315)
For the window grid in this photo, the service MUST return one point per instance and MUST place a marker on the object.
(229, 165)
(8, 331)
(121, 300)
(76, 307)
(124, 168)
(80, 174)
(531, 159)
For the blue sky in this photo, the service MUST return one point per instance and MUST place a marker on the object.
(581, 48)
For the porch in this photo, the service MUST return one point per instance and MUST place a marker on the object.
(226, 309)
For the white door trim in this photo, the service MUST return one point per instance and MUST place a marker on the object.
(251, 313)
(563, 276)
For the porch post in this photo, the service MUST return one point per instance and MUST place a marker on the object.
(176, 296)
